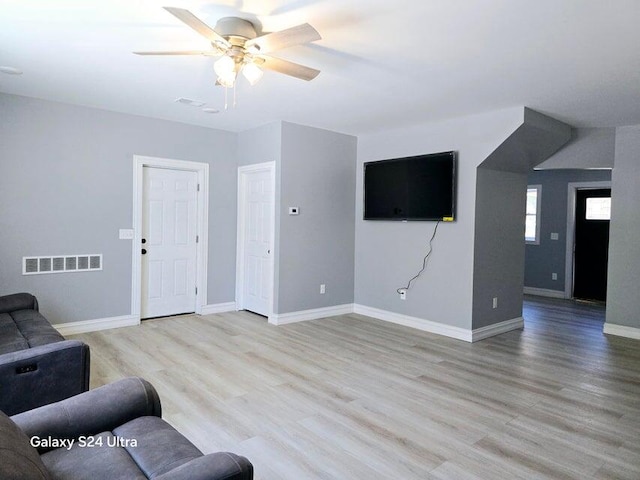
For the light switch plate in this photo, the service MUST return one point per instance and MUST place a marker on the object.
(554, 236)
(126, 234)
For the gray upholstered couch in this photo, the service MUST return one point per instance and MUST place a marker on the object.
(113, 432)
(37, 365)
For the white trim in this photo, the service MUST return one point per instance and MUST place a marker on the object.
(572, 189)
(497, 329)
(202, 248)
(86, 326)
(545, 292)
(313, 314)
(242, 171)
(414, 322)
(621, 331)
(218, 308)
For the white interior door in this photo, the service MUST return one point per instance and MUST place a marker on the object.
(257, 197)
(169, 226)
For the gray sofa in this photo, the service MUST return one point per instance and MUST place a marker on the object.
(37, 365)
(117, 433)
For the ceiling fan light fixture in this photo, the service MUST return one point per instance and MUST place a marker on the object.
(225, 67)
(252, 73)
(227, 80)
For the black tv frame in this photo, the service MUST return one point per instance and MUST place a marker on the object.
(454, 193)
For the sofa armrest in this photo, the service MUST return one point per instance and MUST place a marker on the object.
(44, 374)
(215, 466)
(99, 410)
(18, 301)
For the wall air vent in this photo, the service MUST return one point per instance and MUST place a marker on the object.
(61, 264)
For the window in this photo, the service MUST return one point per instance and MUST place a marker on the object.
(598, 208)
(532, 223)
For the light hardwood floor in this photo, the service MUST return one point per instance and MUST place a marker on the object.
(351, 397)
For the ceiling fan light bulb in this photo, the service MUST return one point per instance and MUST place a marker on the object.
(224, 66)
(227, 80)
(252, 73)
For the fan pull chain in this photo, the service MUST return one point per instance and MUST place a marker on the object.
(234, 95)
(226, 103)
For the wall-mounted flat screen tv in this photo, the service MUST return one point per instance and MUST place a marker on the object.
(412, 188)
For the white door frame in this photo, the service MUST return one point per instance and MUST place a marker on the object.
(202, 216)
(572, 191)
(242, 172)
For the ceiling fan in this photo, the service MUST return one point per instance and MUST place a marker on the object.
(240, 49)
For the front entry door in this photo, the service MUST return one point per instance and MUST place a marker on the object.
(591, 250)
(169, 206)
(257, 197)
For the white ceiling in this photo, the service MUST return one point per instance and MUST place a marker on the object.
(384, 63)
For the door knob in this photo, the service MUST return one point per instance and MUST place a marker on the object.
(144, 250)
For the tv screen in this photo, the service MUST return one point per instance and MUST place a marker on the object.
(413, 188)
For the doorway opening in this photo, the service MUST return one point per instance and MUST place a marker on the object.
(589, 214)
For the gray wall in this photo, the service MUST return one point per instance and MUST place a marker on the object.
(389, 253)
(588, 148)
(500, 216)
(317, 174)
(550, 255)
(623, 301)
(66, 186)
(498, 246)
(260, 145)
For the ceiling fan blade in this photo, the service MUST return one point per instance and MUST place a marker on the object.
(178, 52)
(198, 25)
(289, 37)
(289, 68)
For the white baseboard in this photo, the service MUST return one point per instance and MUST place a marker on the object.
(621, 331)
(218, 308)
(496, 329)
(415, 322)
(313, 314)
(85, 326)
(544, 292)
(440, 328)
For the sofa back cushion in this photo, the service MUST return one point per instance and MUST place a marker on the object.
(18, 459)
(18, 301)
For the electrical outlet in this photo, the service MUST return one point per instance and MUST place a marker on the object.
(322, 289)
(554, 276)
(403, 294)
(495, 302)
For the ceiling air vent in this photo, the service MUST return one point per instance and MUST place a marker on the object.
(189, 102)
(61, 264)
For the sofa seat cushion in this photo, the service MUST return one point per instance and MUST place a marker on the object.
(11, 340)
(24, 329)
(35, 328)
(18, 459)
(96, 462)
(160, 447)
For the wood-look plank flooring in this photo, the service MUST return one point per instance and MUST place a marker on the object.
(351, 397)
